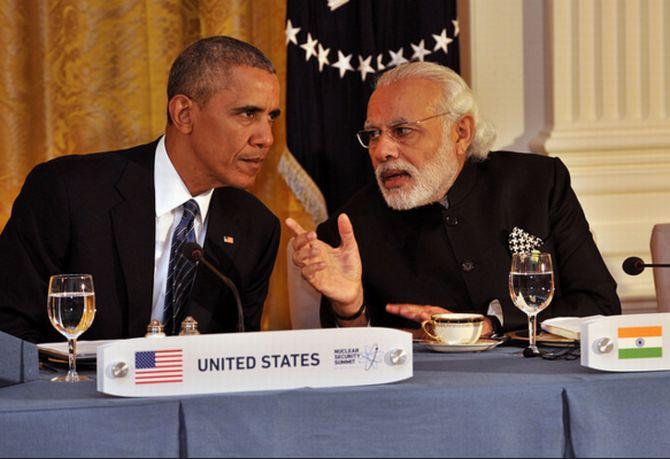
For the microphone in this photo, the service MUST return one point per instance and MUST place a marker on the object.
(193, 252)
(635, 265)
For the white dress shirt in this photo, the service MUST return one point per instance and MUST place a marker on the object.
(171, 194)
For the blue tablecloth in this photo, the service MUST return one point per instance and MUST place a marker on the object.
(495, 403)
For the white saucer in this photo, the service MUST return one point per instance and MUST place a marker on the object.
(479, 346)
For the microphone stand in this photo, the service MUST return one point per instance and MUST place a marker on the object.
(635, 265)
(232, 287)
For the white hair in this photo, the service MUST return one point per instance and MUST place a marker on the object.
(457, 100)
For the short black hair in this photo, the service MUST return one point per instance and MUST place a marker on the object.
(201, 68)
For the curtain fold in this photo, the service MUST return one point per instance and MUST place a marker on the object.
(91, 76)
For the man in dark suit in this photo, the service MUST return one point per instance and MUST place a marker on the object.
(121, 215)
(437, 231)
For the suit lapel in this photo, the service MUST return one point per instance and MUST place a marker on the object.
(223, 226)
(220, 248)
(133, 223)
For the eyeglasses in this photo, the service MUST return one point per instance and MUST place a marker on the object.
(405, 133)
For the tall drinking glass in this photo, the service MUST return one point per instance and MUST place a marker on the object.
(531, 286)
(71, 308)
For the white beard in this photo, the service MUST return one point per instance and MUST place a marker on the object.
(428, 185)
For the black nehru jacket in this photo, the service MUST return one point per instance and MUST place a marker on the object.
(459, 258)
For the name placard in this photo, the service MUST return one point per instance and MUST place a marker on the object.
(234, 362)
(631, 342)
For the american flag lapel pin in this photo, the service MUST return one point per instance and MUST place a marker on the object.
(228, 239)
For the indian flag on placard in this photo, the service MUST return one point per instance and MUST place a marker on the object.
(640, 342)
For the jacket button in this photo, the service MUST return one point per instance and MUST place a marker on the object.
(468, 266)
(450, 220)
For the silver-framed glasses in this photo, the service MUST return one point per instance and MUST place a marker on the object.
(403, 133)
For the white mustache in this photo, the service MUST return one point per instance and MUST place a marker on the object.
(397, 165)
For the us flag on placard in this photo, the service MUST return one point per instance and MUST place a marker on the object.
(335, 51)
(158, 367)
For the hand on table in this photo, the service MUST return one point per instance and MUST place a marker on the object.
(418, 313)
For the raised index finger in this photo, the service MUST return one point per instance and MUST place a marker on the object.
(295, 226)
(302, 236)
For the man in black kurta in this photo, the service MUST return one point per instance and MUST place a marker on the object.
(459, 257)
(433, 233)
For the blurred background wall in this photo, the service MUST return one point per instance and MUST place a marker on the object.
(585, 80)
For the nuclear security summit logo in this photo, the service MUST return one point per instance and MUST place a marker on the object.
(367, 357)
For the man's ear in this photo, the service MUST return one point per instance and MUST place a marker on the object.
(181, 110)
(464, 130)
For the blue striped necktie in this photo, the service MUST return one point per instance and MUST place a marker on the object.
(181, 271)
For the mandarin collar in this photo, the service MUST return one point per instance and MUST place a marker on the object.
(407, 220)
(464, 183)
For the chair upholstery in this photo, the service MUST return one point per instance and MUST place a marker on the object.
(660, 253)
(303, 299)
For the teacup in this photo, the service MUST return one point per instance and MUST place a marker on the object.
(454, 328)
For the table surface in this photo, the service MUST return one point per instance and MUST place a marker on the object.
(494, 403)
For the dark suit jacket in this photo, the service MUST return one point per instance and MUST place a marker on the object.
(459, 257)
(95, 214)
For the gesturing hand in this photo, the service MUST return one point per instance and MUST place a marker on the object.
(333, 271)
